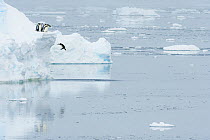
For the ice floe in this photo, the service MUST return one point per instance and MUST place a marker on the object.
(20, 99)
(80, 50)
(176, 26)
(161, 124)
(113, 30)
(182, 48)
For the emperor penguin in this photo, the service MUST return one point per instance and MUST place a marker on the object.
(45, 27)
(39, 27)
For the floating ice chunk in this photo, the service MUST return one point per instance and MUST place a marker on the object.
(205, 50)
(113, 30)
(80, 50)
(59, 18)
(176, 26)
(161, 124)
(182, 48)
(132, 11)
(170, 40)
(134, 38)
(181, 52)
(181, 17)
(20, 99)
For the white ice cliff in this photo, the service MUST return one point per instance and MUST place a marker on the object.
(20, 58)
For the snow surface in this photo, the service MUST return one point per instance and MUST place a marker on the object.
(80, 50)
(161, 124)
(182, 48)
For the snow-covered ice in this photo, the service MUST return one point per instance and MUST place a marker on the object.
(80, 50)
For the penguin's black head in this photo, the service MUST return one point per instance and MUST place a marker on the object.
(48, 25)
(59, 44)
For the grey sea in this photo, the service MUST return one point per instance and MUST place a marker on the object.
(118, 101)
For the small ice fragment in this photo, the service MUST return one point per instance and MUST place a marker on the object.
(205, 50)
(161, 124)
(20, 99)
(59, 18)
(170, 40)
(114, 30)
(176, 26)
(181, 17)
(134, 38)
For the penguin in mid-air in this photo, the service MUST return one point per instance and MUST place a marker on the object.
(63, 47)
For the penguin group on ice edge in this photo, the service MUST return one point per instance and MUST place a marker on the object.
(41, 27)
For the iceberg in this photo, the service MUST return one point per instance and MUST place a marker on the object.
(25, 53)
(80, 50)
(20, 56)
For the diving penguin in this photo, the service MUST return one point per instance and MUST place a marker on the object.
(63, 47)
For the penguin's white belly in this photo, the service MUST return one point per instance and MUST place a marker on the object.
(46, 29)
(40, 28)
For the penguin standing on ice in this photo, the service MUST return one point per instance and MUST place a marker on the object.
(63, 47)
(39, 27)
(46, 27)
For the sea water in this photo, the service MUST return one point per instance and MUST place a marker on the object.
(144, 84)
